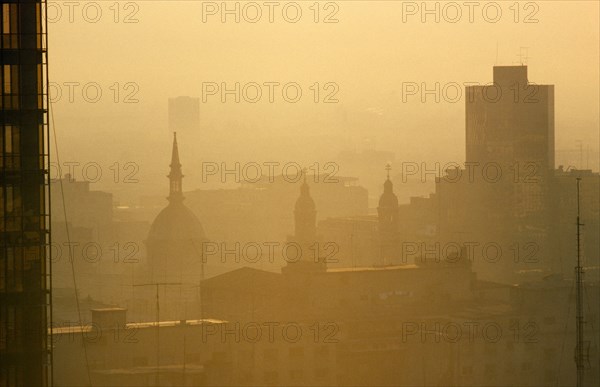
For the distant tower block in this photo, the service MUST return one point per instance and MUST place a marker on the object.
(510, 127)
(511, 121)
(184, 114)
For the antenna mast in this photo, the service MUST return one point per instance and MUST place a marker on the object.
(157, 284)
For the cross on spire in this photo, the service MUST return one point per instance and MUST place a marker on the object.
(388, 168)
(523, 55)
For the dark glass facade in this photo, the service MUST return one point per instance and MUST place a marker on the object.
(25, 312)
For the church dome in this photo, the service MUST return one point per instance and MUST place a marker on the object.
(176, 222)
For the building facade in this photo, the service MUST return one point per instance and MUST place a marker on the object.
(24, 199)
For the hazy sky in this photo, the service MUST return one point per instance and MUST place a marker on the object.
(369, 53)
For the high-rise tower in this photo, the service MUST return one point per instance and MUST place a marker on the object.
(509, 162)
(510, 121)
(510, 141)
(25, 298)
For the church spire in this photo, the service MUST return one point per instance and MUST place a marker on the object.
(305, 214)
(388, 220)
(305, 236)
(304, 190)
(388, 199)
(175, 176)
(388, 187)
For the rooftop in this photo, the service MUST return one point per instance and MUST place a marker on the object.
(134, 325)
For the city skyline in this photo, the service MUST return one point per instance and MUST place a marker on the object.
(325, 193)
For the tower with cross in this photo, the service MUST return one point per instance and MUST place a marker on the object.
(388, 221)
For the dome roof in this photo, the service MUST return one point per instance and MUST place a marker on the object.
(388, 198)
(176, 222)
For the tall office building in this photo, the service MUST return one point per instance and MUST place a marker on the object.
(510, 140)
(511, 120)
(25, 355)
(501, 201)
(184, 114)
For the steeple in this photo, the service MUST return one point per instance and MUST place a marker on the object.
(305, 236)
(388, 221)
(388, 206)
(172, 254)
(175, 176)
(305, 215)
(388, 199)
(388, 187)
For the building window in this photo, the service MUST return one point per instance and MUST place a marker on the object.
(40, 85)
(38, 24)
(10, 18)
(8, 75)
(10, 87)
(175, 186)
(9, 147)
(10, 204)
(6, 79)
(8, 201)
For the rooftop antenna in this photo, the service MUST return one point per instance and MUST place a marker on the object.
(580, 142)
(587, 160)
(523, 55)
(496, 53)
(157, 284)
(352, 257)
(382, 250)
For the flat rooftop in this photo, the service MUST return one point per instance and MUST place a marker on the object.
(134, 325)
